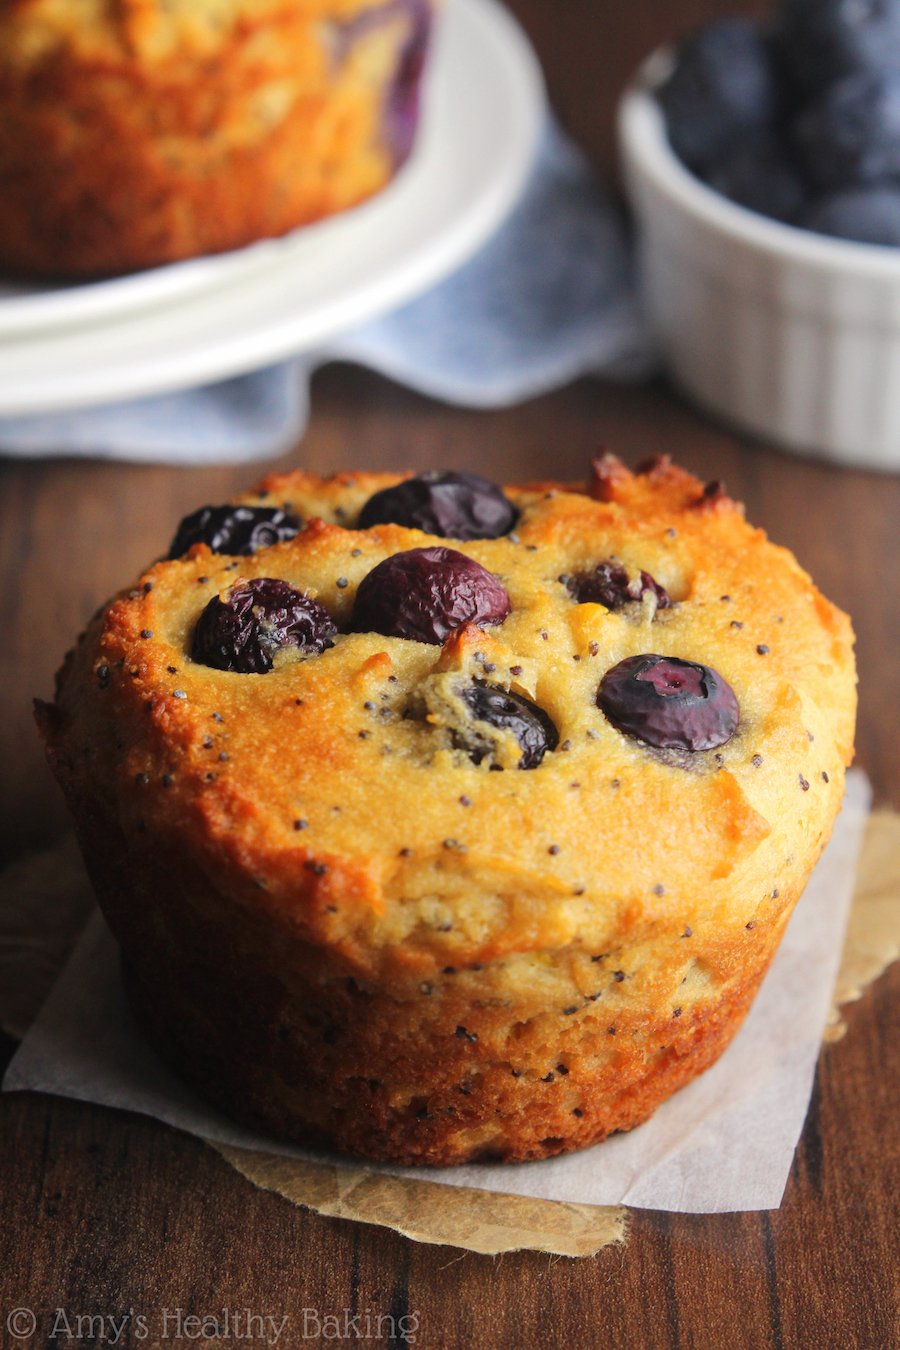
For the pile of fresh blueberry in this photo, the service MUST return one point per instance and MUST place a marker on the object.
(800, 119)
(424, 594)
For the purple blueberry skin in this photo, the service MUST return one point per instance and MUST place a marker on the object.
(609, 584)
(669, 703)
(401, 113)
(425, 594)
(243, 632)
(851, 133)
(760, 175)
(235, 530)
(818, 41)
(450, 505)
(867, 215)
(722, 88)
(500, 708)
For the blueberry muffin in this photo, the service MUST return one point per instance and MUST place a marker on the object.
(441, 822)
(139, 132)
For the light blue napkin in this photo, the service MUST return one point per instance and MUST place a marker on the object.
(550, 297)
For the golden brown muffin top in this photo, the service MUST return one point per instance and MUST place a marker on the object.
(149, 30)
(332, 788)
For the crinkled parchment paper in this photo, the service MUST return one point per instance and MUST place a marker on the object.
(45, 900)
(873, 929)
(480, 1221)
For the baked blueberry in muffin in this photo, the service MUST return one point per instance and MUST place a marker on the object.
(446, 847)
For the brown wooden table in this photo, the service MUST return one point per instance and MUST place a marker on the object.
(104, 1212)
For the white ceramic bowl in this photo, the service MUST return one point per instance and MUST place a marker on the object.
(789, 334)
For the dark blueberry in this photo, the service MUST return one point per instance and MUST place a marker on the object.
(721, 88)
(865, 215)
(401, 106)
(669, 703)
(234, 529)
(244, 630)
(491, 706)
(818, 41)
(401, 113)
(760, 175)
(851, 133)
(426, 593)
(609, 584)
(450, 505)
(869, 215)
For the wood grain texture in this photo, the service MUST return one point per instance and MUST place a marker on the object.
(104, 1212)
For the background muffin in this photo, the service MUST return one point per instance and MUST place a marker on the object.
(137, 132)
(440, 897)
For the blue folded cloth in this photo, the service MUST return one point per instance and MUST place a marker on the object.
(548, 298)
